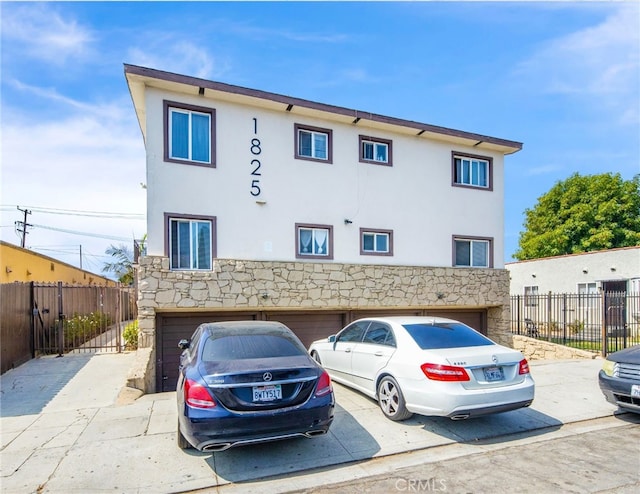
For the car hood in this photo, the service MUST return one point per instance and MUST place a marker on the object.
(629, 355)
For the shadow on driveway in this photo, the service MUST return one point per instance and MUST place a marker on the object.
(345, 442)
(27, 389)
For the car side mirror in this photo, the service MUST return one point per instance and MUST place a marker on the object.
(332, 338)
(184, 344)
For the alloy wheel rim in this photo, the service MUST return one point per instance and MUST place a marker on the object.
(389, 398)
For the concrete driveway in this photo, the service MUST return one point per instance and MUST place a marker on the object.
(66, 428)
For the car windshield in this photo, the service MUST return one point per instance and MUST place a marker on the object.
(445, 335)
(240, 347)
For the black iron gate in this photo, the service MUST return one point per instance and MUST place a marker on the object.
(79, 318)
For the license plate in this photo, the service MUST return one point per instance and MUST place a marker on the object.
(270, 392)
(492, 374)
(635, 390)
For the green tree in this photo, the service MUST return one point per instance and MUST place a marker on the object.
(122, 265)
(123, 259)
(582, 214)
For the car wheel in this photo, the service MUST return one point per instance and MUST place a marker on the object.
(391, 400)
(316, 357)
(182, 441)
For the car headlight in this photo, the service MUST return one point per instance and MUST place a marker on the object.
(608, 367)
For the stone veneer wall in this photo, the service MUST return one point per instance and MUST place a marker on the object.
(268, 285)
(535, 349)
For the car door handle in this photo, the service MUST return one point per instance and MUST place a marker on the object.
(347, 350)
(378, 353)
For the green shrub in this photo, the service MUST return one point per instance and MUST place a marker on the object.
(82, 327)
(130, 335)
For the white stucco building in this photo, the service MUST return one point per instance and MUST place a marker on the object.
(266, 206)
(613, 270)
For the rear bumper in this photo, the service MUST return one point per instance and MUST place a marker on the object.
(618, 392)
(234, 429)
(452, 400)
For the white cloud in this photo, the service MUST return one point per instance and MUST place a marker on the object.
(43, 33)
(600, 63)
(88, 158)
(182, 57)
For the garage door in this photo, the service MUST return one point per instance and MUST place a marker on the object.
(310, 326)
(170, 329)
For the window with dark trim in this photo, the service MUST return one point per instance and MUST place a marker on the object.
(189, 134)
(375, 150)
(473, 252)
(190, 241)
(314, 241)
(313, 143)
(375, 242)
(468, 170)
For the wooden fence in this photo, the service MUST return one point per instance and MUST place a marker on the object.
(37, 318)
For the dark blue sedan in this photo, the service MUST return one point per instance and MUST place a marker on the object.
(245, 382)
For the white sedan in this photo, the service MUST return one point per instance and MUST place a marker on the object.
(426, 365)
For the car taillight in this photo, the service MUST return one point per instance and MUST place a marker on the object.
(438, 372)
(524, 367)
(324, 385)
(196, 395)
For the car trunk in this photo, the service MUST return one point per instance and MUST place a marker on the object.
(260, 384)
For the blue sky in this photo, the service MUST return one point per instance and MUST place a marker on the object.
(561, 77)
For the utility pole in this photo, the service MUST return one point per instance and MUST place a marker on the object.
(80, 256)
(24, 225)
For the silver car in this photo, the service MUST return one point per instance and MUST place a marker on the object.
(426, 365)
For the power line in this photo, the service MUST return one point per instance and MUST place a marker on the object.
(94, 235)
(75, 212)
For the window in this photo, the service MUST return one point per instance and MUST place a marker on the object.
(474, 252)
(530, 296)
(374, 150)
(313, 143)
(190, 242)
(353, 333)
(376, 242)
(588, 296)
(445, 335)
(254, 346)
(472, 171)
(379, 334)
(189, 134)
(314, 241)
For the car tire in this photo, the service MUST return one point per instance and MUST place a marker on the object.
(181, 440)
(316, 357)
(391, 400)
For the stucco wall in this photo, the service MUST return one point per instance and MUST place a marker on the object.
(563, 273)
(24, 265)
(414, 197)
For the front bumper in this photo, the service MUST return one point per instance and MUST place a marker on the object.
(617, 391)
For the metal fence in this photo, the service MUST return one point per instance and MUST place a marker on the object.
(56, 318)
(599, 322)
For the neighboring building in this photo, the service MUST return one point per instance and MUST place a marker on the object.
(264, 206)
(614, 270)
(24, 265)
